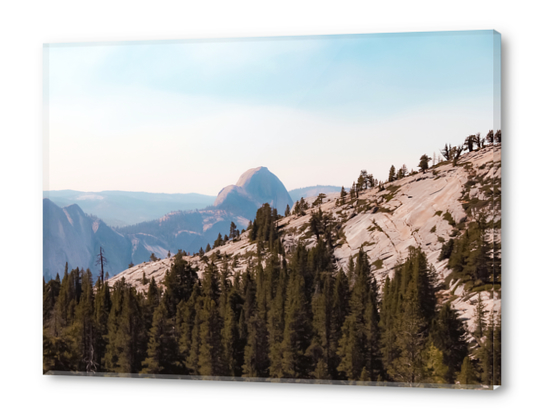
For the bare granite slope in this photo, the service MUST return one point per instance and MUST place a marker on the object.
(420, 210)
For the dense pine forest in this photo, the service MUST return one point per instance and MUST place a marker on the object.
(288, 314)
(282, 318)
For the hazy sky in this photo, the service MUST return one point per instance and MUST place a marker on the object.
(191, 116)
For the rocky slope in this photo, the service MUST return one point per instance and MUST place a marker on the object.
(423, 210)
(69, 235)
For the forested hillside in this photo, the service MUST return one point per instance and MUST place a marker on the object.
(394, 282)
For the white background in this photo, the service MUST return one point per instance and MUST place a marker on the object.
(25, 25)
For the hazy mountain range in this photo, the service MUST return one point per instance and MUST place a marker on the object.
(313, 191)
(122, 208)
(132, 225)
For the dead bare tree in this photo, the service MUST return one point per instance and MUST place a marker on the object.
(101, 261)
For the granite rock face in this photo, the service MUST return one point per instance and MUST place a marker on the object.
(254, 188)
(420, 210)
(70, 235)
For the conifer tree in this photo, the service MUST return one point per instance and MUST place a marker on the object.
(424, 163)
(276, 321)
(479, 316)
(179, 282)
(231, 339)
(392, 176)
(467, 375)
(498, 136)
(127, 337)
(489, 137)
(359, 346)
(83, 331)
(162, 355)
(287, 211)
(210, 358)
(233, 230)
(195, 339)
(339, 311)
(102, 307)
(409, 366)
(297, 328)
(319, 350)
(185, 323)
(449, 336)
(353, 191)
(435, 369)
(343, 194)
(470, 141)
(51, 290)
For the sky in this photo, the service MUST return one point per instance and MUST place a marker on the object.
(192, 116)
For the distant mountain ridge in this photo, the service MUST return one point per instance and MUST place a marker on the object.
(313, 191)
(123, 208)
(70, 235)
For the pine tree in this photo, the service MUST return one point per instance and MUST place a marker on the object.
(195, 339)
(231, 340)
(468, 374)
(102, 307)
(392, 176)
(470, 141)
(210, 358)
(479, 316)
(409, 366)
(498, 136)
(287, 211)
(359, 346)
(184, 325)
(424, 163)
(449, 336)
(51, 290)
(162, 355)
(319, 350)
(339, 311)
(343, 195)
(210, 361)
(83, 331)
(435, 369)
(297, 328)
(127, 336)
(179, 282)
(489, 137)
(276, 321)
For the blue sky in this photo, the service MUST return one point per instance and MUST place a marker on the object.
(191, 116)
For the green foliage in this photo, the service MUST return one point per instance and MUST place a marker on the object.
(378, 264)
(424, 163)
(287, 211)
(467, 376)
(299, 317)
(264, 228)
(446, 250)
(472, 260)
(392, 176)
(448, 217)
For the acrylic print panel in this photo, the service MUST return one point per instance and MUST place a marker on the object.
(321, 209)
